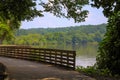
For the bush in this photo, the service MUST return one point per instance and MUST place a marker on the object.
(93, 71)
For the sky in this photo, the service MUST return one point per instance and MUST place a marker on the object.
(95, 17)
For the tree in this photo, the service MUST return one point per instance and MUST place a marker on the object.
(109, 50)
(12, 12)
(15, 11)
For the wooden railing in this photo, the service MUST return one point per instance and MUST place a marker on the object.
(64, 58)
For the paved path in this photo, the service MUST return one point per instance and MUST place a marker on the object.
(28, 70)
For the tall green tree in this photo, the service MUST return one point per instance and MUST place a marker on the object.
(109, 50)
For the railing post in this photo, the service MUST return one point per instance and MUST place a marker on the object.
(74, 53)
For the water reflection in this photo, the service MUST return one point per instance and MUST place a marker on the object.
(86, 55)
(85, 61)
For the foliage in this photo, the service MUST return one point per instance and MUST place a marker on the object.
(27, 10)
(18, 9)
(109, 50)
(12, 12)
(15, 11)
(88, 29)
(64, 36)
(4, 31)
(98, 74)
(67, 8)
(92, 70)
(109, 6)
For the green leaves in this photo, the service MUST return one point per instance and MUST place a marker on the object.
(67, 9)
(15, 11)
(5, 31)
(109, 50)
(75, 36)
(109, 6)
(12, 12)
(19, 9)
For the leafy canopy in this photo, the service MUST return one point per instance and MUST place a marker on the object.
(109, 50)
(67, 8)
(26, 9)
(109, 6)
(19, 9)
(13, 12)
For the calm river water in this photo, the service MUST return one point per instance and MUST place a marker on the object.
(86, 55)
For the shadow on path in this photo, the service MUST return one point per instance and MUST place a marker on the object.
(27, 70)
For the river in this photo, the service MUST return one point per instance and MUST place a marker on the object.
(86, 55)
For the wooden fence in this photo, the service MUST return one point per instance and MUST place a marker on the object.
(64, 58)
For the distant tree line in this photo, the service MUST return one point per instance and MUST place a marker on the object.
(50, 36)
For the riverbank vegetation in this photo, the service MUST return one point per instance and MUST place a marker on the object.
(74, 36)
(98, 74)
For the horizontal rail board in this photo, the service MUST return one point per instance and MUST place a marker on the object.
(54, 56)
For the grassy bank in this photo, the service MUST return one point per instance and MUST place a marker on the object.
(97, 74)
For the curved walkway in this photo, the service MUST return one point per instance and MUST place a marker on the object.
(27, 70)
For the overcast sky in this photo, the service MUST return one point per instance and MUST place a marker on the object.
(95, 17)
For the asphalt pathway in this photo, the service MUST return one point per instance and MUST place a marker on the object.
(18, 69)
